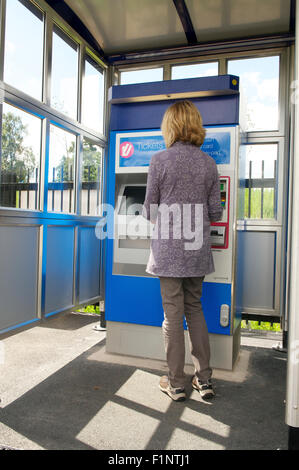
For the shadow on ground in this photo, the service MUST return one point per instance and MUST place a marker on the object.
(96, 403)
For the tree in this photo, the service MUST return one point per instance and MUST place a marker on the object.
(65, 169)
(17, 159)
(92, 161)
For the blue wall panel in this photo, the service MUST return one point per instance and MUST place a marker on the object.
(89, 264)
(132, 299)
(18, 275)
(60, 268)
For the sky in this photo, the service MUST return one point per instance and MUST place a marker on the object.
(23, 51)
(259, 89)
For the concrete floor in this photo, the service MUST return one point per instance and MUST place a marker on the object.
(60, 390)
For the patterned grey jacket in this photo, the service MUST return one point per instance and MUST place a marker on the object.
(182, 198)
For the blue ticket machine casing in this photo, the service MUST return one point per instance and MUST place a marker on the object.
(133, 306)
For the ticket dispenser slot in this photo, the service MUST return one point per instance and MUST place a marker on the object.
(218, 236)
(132, 227)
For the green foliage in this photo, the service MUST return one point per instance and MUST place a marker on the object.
(90, 309)
(91, 163)
(92, 160)
(256, 203)
(16, 158)
(255, 325)
(65, 169)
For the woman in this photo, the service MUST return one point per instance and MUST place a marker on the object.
(182, 198)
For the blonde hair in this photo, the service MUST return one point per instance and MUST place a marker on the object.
(183, 122)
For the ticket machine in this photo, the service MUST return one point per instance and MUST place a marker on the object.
(133, 306)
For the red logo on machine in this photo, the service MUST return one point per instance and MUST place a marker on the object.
(126, 150)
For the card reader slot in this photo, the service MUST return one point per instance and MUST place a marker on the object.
(217, 236)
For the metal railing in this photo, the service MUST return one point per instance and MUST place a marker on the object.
(19, 191)
(251, 184)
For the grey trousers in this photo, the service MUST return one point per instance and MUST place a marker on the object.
(181, 297)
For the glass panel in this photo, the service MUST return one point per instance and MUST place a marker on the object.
(141, 76)
(91, 178)
(24, 38)
(260, 181)
(20, 159)
(259, 84)
(93, 96)
(61, 176)
(194, 70)
(64, 80)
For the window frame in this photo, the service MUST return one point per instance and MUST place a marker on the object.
(48, 114)
(88, 54)
(2, 44)
(222, 60)
(75, 187)
(279, 136)
(55, 28)
(279, 141)
(136, 69)
(216, 61)
(100, 188)
(31, 113)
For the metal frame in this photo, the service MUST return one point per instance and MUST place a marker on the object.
(84, 49)
(241, 45)
(279, 141)
(2, 36)
(290, 184)
(234, 197)
(64, 11)
(42, 218)
(278, 265)
(40, 228)
(186, 21)
(216, 61)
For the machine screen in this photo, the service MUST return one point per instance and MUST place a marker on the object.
(132, 195)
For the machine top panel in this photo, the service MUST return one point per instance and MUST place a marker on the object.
(142, 106)
(170, 89)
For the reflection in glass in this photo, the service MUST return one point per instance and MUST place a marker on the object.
(194, 70)
(24, 31)
(20, 159)
(91, 178)
(93, 96)
(141, 76)
(64, 79)
(61, 176)
(260, 181)
(259, 85)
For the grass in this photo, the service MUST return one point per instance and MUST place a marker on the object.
(263, 325)
(90, 309)
(250, 325)
(256, 204)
